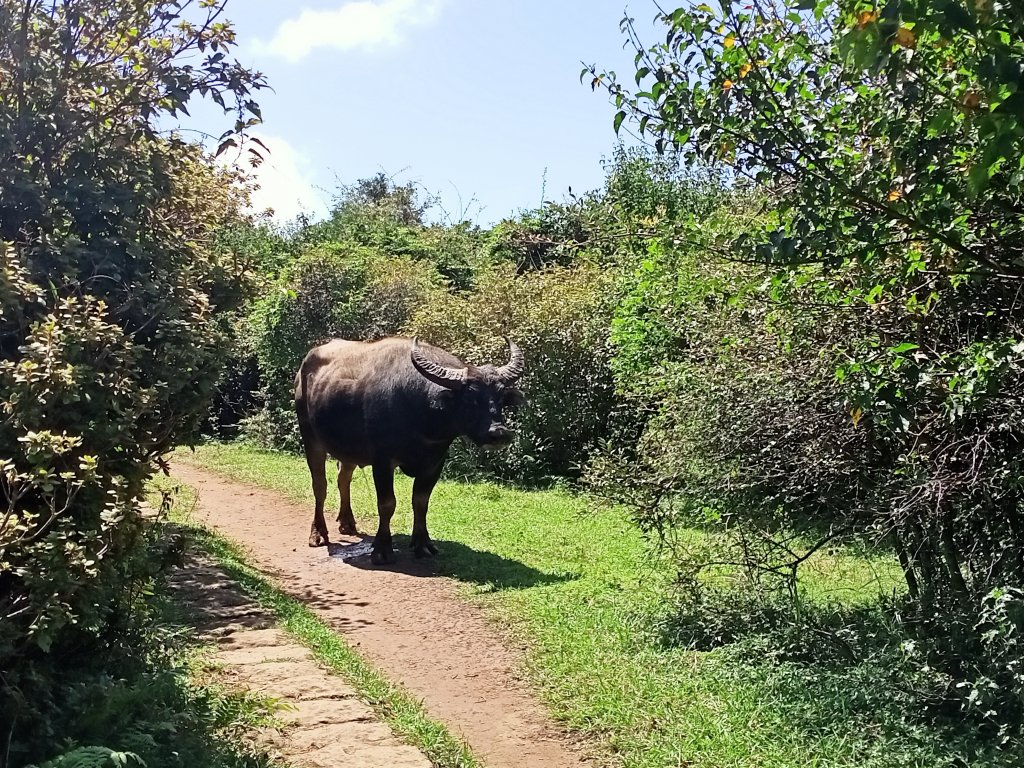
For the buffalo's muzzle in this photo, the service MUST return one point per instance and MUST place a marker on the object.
(499, 436)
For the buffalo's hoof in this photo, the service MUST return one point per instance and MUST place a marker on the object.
(347, 524)
(317, 539)
(382, 556)
(422, 546)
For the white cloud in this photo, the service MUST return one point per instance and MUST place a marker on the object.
(366, 24)
(283, 180)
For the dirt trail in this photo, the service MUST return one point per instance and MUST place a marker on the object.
(411, 626)
(328, 725)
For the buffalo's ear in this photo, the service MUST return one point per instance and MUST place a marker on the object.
(512, 398)
(443, 399)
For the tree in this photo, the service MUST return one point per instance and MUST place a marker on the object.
(110, 274)
(887, 137)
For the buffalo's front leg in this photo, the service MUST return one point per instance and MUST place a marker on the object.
(346, 520)
(422, 487)
(384, 483)
(316, 458)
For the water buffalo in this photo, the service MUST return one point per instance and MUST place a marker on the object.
(395, 403)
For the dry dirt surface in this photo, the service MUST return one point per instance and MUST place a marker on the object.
(409, 623)
(325, 724)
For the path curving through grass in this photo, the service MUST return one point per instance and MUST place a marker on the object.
(578, 600)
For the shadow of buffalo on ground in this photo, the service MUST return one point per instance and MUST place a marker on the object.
(453, 560)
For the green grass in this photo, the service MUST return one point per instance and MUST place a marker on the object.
(399, 709)
(588, 595)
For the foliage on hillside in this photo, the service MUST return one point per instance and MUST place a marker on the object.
(548, 278)
(377, 268)
(868, 382)
(110, 275)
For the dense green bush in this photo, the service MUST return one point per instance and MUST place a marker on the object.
(109, 277)
(332, 291)
(545, 237)
(389, 219)
(559, 316)
(642, 194)
(869, 382)
(142, 694)
(749, 464)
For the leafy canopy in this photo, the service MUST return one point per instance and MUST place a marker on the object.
(890, 130)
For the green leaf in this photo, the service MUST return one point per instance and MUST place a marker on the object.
(978, 178)
(1013, 104)
(940, 122)
(906, 346)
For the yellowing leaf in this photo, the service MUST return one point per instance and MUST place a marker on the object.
(745, 69)
(866, 17)
(971, 100)
(856, 414)
(906, 37)
(895, 194)
(730, 41)
(727, 85)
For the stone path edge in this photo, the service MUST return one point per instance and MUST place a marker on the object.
(389, 701)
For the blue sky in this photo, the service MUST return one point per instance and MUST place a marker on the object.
(477, 101)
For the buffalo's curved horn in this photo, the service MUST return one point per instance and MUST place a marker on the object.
(451, 378)
(510, 372)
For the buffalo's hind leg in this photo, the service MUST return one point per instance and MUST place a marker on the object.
(346, 520)
(422, 487)
(316, 458)
(384, 483)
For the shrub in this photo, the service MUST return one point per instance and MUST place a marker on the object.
(559, 317)
(109, 277)
(389, 219)
(145, 695)
(909, 249)
(894, 360)
(551, 235)
(751, 441)
(332, 291)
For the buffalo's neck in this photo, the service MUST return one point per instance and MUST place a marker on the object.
(438, 433)
(438, 426)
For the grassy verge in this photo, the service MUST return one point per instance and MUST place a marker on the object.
(168, 717)
(146, 697)
(584, 591)
(401, 711)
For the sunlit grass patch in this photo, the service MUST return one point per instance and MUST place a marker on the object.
(591, 599)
